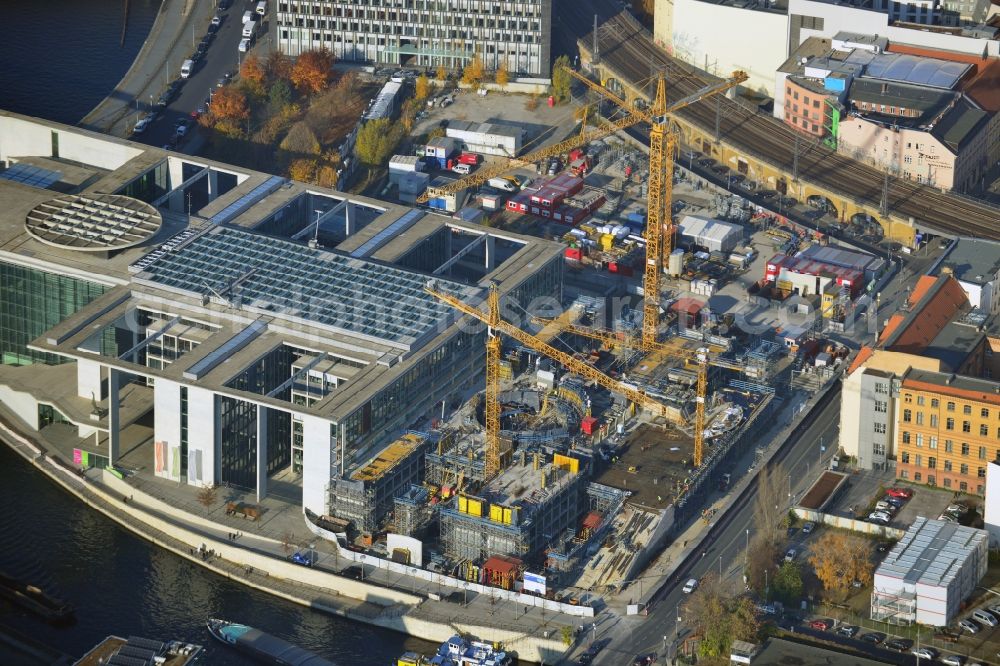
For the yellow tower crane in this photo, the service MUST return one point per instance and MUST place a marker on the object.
(662, 145)
(496, 326)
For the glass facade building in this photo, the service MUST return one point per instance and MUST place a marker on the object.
(32, 302)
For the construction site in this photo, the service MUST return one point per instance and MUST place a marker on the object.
(601, 429)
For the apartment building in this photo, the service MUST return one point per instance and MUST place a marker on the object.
(423, 33)
(948, 427)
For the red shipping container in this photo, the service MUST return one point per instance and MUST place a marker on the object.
(574, 253)
(469, 158)
(588, 425)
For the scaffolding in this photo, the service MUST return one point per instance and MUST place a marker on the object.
(369, 493)
(413, 512)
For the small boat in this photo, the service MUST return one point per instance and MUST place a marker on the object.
(457, 651)
(33, 599)
(263, 646)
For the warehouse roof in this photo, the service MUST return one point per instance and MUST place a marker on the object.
(704, 227)
(485, 128)
(929, 101)
(931, 552)
(960, 123)
(907, 68)
(841, 257)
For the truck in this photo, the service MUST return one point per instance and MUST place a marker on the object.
(472, 159)
(249, 28)
(187, 68)
(505, 183)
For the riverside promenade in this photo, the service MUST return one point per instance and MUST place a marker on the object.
(157, 64)
(259, 557)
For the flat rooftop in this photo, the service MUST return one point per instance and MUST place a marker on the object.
(292, 281)
(524, 485)
(931, 552)
(387, 459)
(973, 260)
(650, 466)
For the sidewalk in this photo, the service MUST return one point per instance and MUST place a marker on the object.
(158, 62)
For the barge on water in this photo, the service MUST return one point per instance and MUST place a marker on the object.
(262, 646)
(116, 651)
(457, 651)
(33, 599)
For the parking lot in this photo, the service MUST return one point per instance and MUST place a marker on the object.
(863, 489)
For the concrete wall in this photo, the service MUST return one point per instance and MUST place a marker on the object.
(88, 379)
(203, 441)
(318, 459)
(850, 400)
(23, 138)
(837, 18)
(860, 526)
(991, 508)
(723, 38)
(167, 427)
(21, 403)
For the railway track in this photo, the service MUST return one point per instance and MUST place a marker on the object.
(628, 48)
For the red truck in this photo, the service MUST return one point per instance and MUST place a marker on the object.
(472, 159)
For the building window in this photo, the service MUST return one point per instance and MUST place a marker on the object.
(982, 453)
(934, 420)
(966, 426)
(882, 389)
(949, 423)
(931, 480)
(907, 416)
(947, 465)
(920, 401)
(948, 446)
(965, 448)
(984, 412)
(935, 403)
(963, 469)
(981, 472)
(919, 440)
(907, 397)
(980, 490)
(920, 418)
(931, 463)
(963, 486)
(932, 442)
(918, 460)
(947, 482)
(966, 409)
(984, 430)
(904, 474)
(880, 428)
(878, 448)
(906, 457)
(881, 406)
(916, 476)
(906, 437)
(950, 406)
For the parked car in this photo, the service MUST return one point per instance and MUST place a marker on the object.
(879, 517)
(791, 554)
(953, 660)
(995, 609)
(884, 506)
(873, 637)
(925, 653)
(969, 626)
(690, 586)
(808, 527)
(901, 493)
(894, 501)
(983, 616)
(141, 126)
(644, 660)
(957, 509)
(216, 21)
(899, 644)
(948, 518)
(848, 630)
(821, 624)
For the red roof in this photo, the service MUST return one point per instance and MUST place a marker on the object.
(502, 565)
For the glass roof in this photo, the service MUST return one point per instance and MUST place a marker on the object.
(31, 175)
(291, 280)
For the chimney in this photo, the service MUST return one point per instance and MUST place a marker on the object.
(950, 379)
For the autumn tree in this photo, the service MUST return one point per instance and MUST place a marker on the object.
(561, 79)
(840, 560)
(422, 88)
(253, 72)
(441, 74)
(376, 140)
(311, 72)
(720, 617)
(531, 103)
(303, 169)
(278, 65)
(207, 497)
(228, 113)
(279, 95)
(788, 583)
(473, 72)
(502, 76)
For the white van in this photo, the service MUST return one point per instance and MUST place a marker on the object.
(463, 169)
(244, 45)
(984, 617)
(247, 16)
(262, 8)
(187, 68)
(249, 28)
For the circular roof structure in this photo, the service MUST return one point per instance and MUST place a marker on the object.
(93, 222)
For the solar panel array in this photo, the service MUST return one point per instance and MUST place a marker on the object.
(248, 199)
(381, 238)
(27, 174)
(323, 287)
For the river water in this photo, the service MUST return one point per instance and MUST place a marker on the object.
(62, 57)
(123, 585)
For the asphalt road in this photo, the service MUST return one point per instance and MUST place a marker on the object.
(222, 57)
(727, 539)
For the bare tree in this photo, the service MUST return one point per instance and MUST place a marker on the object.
(768, 507)
(287, 542)
(207, 497)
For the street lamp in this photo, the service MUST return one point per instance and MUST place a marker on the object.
(746, 551)
(312, 554)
